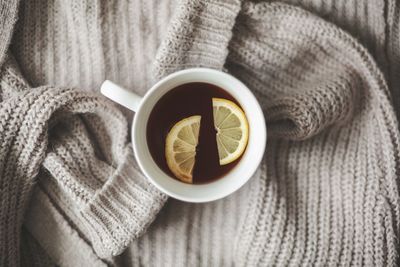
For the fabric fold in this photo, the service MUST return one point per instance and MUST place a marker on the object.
(198, 36)
(309, 75)
(81, 139)
(122, 210)
(326, 84)
(8, 19)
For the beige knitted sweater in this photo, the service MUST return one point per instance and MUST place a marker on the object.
(327, 74)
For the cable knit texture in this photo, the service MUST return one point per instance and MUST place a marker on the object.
(326, 76)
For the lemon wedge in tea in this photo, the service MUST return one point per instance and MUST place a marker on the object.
(232, 129)
(180, 147)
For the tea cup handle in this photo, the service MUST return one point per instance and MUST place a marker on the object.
(120, 95)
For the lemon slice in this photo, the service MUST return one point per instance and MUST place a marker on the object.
(232, 130)
(180, 147)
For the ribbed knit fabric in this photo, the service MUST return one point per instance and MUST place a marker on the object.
(326, 192)
(105, 203)
(8, 18)
(393, 53)
(374, 23)
(106, 34)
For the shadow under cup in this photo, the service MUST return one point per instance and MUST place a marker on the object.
(231, 181)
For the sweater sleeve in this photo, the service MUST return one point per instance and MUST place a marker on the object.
(76, 143)
(96, 182)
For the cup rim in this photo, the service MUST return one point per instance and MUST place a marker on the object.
(256, 159)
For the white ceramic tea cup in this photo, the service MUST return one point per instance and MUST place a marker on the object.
(143, 106)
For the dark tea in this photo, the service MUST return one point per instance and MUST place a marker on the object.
(186, 101)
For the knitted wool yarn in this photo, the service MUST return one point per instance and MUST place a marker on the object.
(326, 192)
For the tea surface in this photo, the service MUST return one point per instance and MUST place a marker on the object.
(181, 102)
